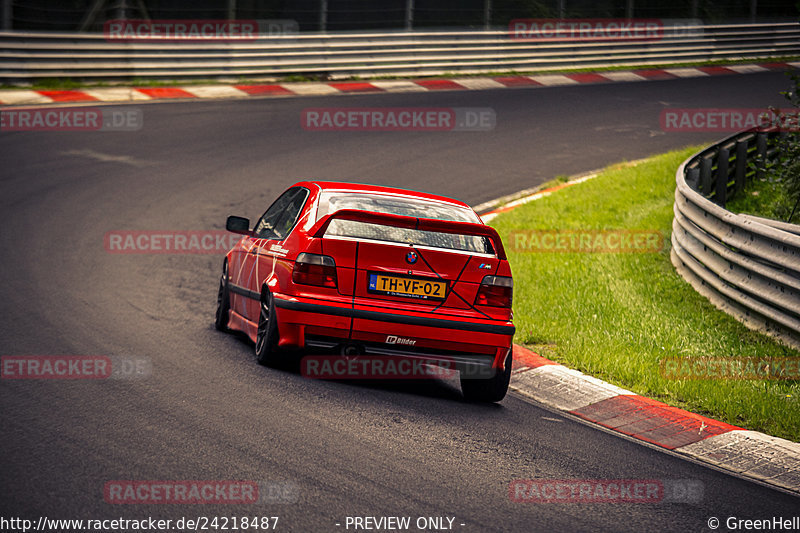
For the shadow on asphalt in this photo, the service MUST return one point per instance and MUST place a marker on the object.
(444, 389)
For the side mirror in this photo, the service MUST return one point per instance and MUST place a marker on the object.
(238, 225)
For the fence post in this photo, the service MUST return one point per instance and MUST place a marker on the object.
(323, 15)
(705, 176)
(487, 14)
(761, 153)
(122, 10)
(7, 15)
(741, 165)
(693, 178)
(409, 15)
(721, 188)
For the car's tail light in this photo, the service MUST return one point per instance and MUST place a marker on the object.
(313, 269)
(495, 291)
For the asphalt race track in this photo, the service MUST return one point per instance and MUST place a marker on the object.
(209, 412)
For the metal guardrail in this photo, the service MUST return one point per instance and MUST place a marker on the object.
(31, 56)
(747, 266)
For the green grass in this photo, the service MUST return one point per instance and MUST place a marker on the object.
(765, 197)
(616, 316)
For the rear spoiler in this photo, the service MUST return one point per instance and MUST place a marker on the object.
(400, 221)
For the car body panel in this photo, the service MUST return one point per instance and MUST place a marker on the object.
(355, 311)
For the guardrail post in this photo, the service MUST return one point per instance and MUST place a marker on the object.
(323, 15)
(761, 154)
(7, 13)
(122, 10)
(487, 14)
(693, 178)
(741, 165)
(705, 176)
(721, 190)
(409, 15)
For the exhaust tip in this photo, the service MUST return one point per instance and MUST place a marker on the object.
(352, 350)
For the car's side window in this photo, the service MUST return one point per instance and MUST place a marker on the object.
(285, 223)
(281, 216)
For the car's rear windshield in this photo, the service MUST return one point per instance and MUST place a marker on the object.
(332, 201)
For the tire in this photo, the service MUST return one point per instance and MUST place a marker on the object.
(223, 301)
(492, 389)
(267, 333)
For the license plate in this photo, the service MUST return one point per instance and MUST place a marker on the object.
(423, 289)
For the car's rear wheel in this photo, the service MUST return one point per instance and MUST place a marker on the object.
(223, 301)
(267, 332)
(491, 389)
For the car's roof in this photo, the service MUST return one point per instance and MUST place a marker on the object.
(365, 188)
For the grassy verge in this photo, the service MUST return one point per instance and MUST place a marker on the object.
(616, 316)
(764, 198)
(68, 83)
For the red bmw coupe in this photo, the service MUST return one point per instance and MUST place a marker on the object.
(367, 270)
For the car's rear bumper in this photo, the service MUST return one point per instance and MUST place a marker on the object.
(493, 327)
(310, 323)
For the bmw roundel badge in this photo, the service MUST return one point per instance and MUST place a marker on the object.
(411, 257)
